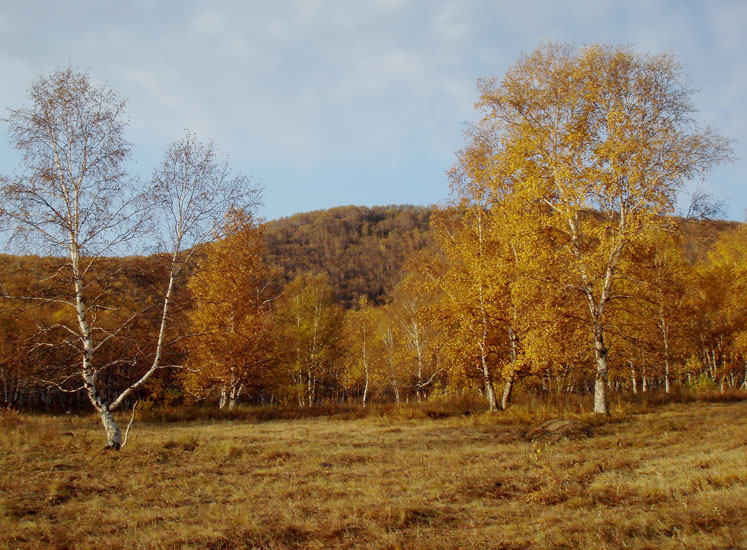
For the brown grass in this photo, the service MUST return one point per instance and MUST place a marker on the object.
(670, 478)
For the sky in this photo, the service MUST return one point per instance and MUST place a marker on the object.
(330, 102)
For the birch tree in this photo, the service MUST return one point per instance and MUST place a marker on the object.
(604, 137)
(73, 198)
(411, 309)
(308, 331)
(361, 361)
(466, 285)
(720, 314)
(192, 191)
(230, 317)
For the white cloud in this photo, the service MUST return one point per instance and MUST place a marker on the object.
(303, 85)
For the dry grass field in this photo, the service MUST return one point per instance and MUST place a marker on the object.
(673, 477)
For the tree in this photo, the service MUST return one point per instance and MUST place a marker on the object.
(359, 337)
(604, 138)
(660, 309)
(388, 350)
(192, 191)
(466, 284)
(74, 199)
(411, 309)
(230, 317)
(511, 254)
(308, 331)
(721, 315)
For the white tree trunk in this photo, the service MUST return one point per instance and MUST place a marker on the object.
(113, 435)
(601, 404)
(395, 387)
(488, 380)
(506, 397)
(233, 397)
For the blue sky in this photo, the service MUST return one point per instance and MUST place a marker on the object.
(331, 102)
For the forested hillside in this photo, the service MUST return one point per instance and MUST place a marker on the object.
(361, 249)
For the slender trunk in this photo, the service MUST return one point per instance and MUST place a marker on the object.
(666, 368)
(309, 388)
(420, 368)
(490, 393)
(223, 397)
(161, 337)
(487, 376)
(514, 340)
(601, 404)
(633, 381)
(234, 395)
(644, 383)
(113, 435)
(5, 385)
(664, 326)
(744, 384)
(489, 390)
(506, 397)
(365, 367)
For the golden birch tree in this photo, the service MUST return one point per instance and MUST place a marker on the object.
(307, 334)
(721, 314)
(231, 350)
(359, 341)
(465, 282)
(604, 137)
(411, 310)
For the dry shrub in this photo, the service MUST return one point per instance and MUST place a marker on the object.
(189, 444)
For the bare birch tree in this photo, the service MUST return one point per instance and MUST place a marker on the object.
(74, 199)
(192, 190)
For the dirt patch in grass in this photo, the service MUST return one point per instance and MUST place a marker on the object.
(559, 428)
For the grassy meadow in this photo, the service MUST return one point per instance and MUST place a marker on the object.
(670, 476)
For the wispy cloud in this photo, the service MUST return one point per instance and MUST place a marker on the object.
(311, 95)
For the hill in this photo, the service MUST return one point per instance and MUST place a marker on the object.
(362, 249)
